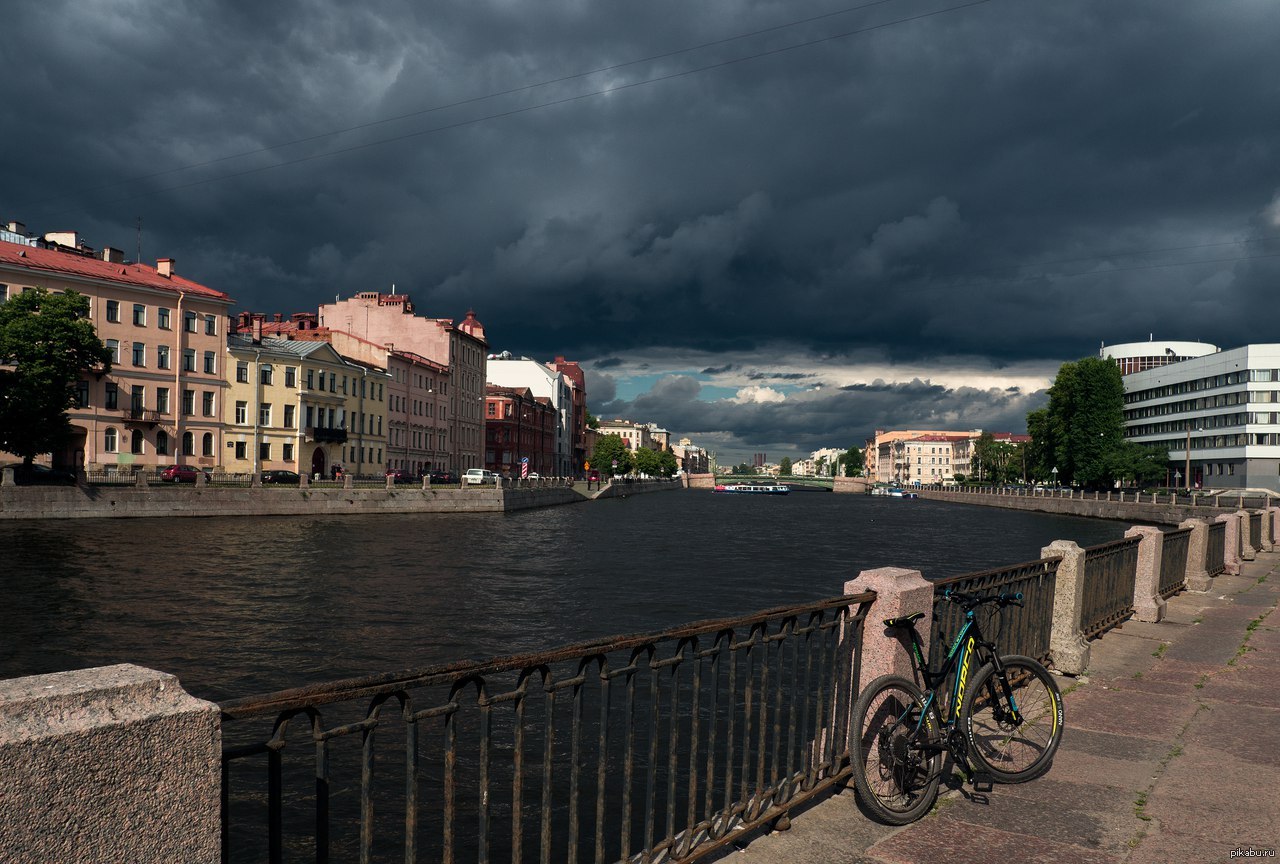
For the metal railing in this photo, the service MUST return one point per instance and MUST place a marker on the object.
(1173, 561)
(1016, 630)
(1255, 530)
(1215, 548)
(660, 747)
(1110, 571)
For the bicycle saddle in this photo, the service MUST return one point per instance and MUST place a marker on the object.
(904, 621)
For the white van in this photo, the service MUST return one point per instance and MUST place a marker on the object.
(479, 476)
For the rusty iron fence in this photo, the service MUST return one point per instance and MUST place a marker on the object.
(1255, 530)
(1173, 561)
(658, 747)
(1016, 630)
(1110, 571)
(1215, 548)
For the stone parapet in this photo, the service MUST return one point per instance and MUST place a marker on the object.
(1148, 605)
(117, 765)
(1162, 513)
(1197, 577)
(899, 592)
(1067, 645)
(1231, 542)
(1247, 550)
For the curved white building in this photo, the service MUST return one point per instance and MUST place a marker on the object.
(1139, 356)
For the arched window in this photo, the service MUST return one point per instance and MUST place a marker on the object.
(206, 444)
(188, 444)
(111, 440)
(162, 443)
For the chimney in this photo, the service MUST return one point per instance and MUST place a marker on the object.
(164, 266)
(257, 329)
(113, 256)
(278, 317)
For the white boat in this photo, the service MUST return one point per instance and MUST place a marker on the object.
(754, 488)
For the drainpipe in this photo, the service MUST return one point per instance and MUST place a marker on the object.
(257, 411)
(364, 374)
(179, 328)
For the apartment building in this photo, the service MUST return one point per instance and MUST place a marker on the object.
(520, 428)
(162, 402)
(543, 380)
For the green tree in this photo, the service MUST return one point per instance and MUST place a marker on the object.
(784, 467)
(1082, 431)
(46, 341)
(646, 461)
(744, 468)
(611, 448)
(667, 464)
(1038, 455)
(593, 422)
(853, 462)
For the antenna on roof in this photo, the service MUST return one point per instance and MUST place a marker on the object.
(393, 289)
(139, 258)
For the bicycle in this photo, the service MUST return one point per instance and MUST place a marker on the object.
(1003, 723)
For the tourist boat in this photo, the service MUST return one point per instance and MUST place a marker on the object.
(754, 488)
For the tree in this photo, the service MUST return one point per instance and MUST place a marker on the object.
(820, 467)
(1081, 432)
(46, 341)
(784, 467)
(853, 462)
(667, 464)
(1038, 455)
(610, 448)
(593, 422)
(646, 461)
(744, 468)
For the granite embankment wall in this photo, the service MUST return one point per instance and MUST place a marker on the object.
(621, 489)
(1162, 512)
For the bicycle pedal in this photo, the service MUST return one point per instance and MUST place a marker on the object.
(982, 782)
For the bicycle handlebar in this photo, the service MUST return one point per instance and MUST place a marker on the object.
(969, 601)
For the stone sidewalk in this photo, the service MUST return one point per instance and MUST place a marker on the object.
(1171, 754)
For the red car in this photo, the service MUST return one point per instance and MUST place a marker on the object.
(180, 474)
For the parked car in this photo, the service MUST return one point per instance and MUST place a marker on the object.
(444, 478)
(180, 474)
(534, 475)
(479, 476)
(281, 477)
(39, 475)
(399, 475)
(593, 476)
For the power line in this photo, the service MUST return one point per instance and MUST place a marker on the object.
(554, 102)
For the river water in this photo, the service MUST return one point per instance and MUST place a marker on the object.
(239, 606)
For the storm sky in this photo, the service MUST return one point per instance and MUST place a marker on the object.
(767, 226)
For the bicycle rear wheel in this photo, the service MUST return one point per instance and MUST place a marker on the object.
(1013, 732)
(895, 777)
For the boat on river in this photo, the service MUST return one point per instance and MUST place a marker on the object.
(754, 488)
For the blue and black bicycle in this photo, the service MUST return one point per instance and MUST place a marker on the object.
(1001, 721)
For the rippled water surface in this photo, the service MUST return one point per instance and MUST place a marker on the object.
(236, 606)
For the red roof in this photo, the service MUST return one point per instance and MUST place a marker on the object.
(62, 263)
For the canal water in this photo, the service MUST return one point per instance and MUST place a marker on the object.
(238, 606)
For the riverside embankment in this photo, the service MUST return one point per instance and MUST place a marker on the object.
(1155, 509)
(120, 501)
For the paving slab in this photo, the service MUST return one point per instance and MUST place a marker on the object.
(937, 840)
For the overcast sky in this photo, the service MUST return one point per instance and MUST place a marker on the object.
(902, 214)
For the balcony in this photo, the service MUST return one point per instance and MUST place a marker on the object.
(141, 416)
(326, 434)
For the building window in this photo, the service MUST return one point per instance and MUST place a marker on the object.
(206, 444)
(139, 316)
(162, 318)
(188, 407)
(188, 444)
(162, 356)
(136, 442)
(242, 413)
(310, 416)
(265, 373)
(264, 451)
(162, 443)
(208, 405)
(210, 325)
(162, 400)
(189, 322)
(189, 360)
(288, 416)
(139, 354)
(113, 348)
(82, 394)
(239, 449)
(242, 371)
(110, 440)
(113, 396)
(264, 414)
(137, 399)
(287, 455)
(290, 376)
(311, 379)
(210, 363)
(113, 311)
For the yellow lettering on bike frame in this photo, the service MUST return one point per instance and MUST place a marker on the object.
(958, 702)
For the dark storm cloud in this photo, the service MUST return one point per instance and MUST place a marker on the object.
(1011, 181)
(607, 363)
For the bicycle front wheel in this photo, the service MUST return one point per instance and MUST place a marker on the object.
(1013, 719)
(895, 768)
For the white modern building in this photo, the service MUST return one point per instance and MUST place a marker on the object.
(503, 370)
(1217, 415)
(1134, 357)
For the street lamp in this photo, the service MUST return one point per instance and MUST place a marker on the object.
(1188, 466)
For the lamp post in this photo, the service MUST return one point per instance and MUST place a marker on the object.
(1188, 454)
